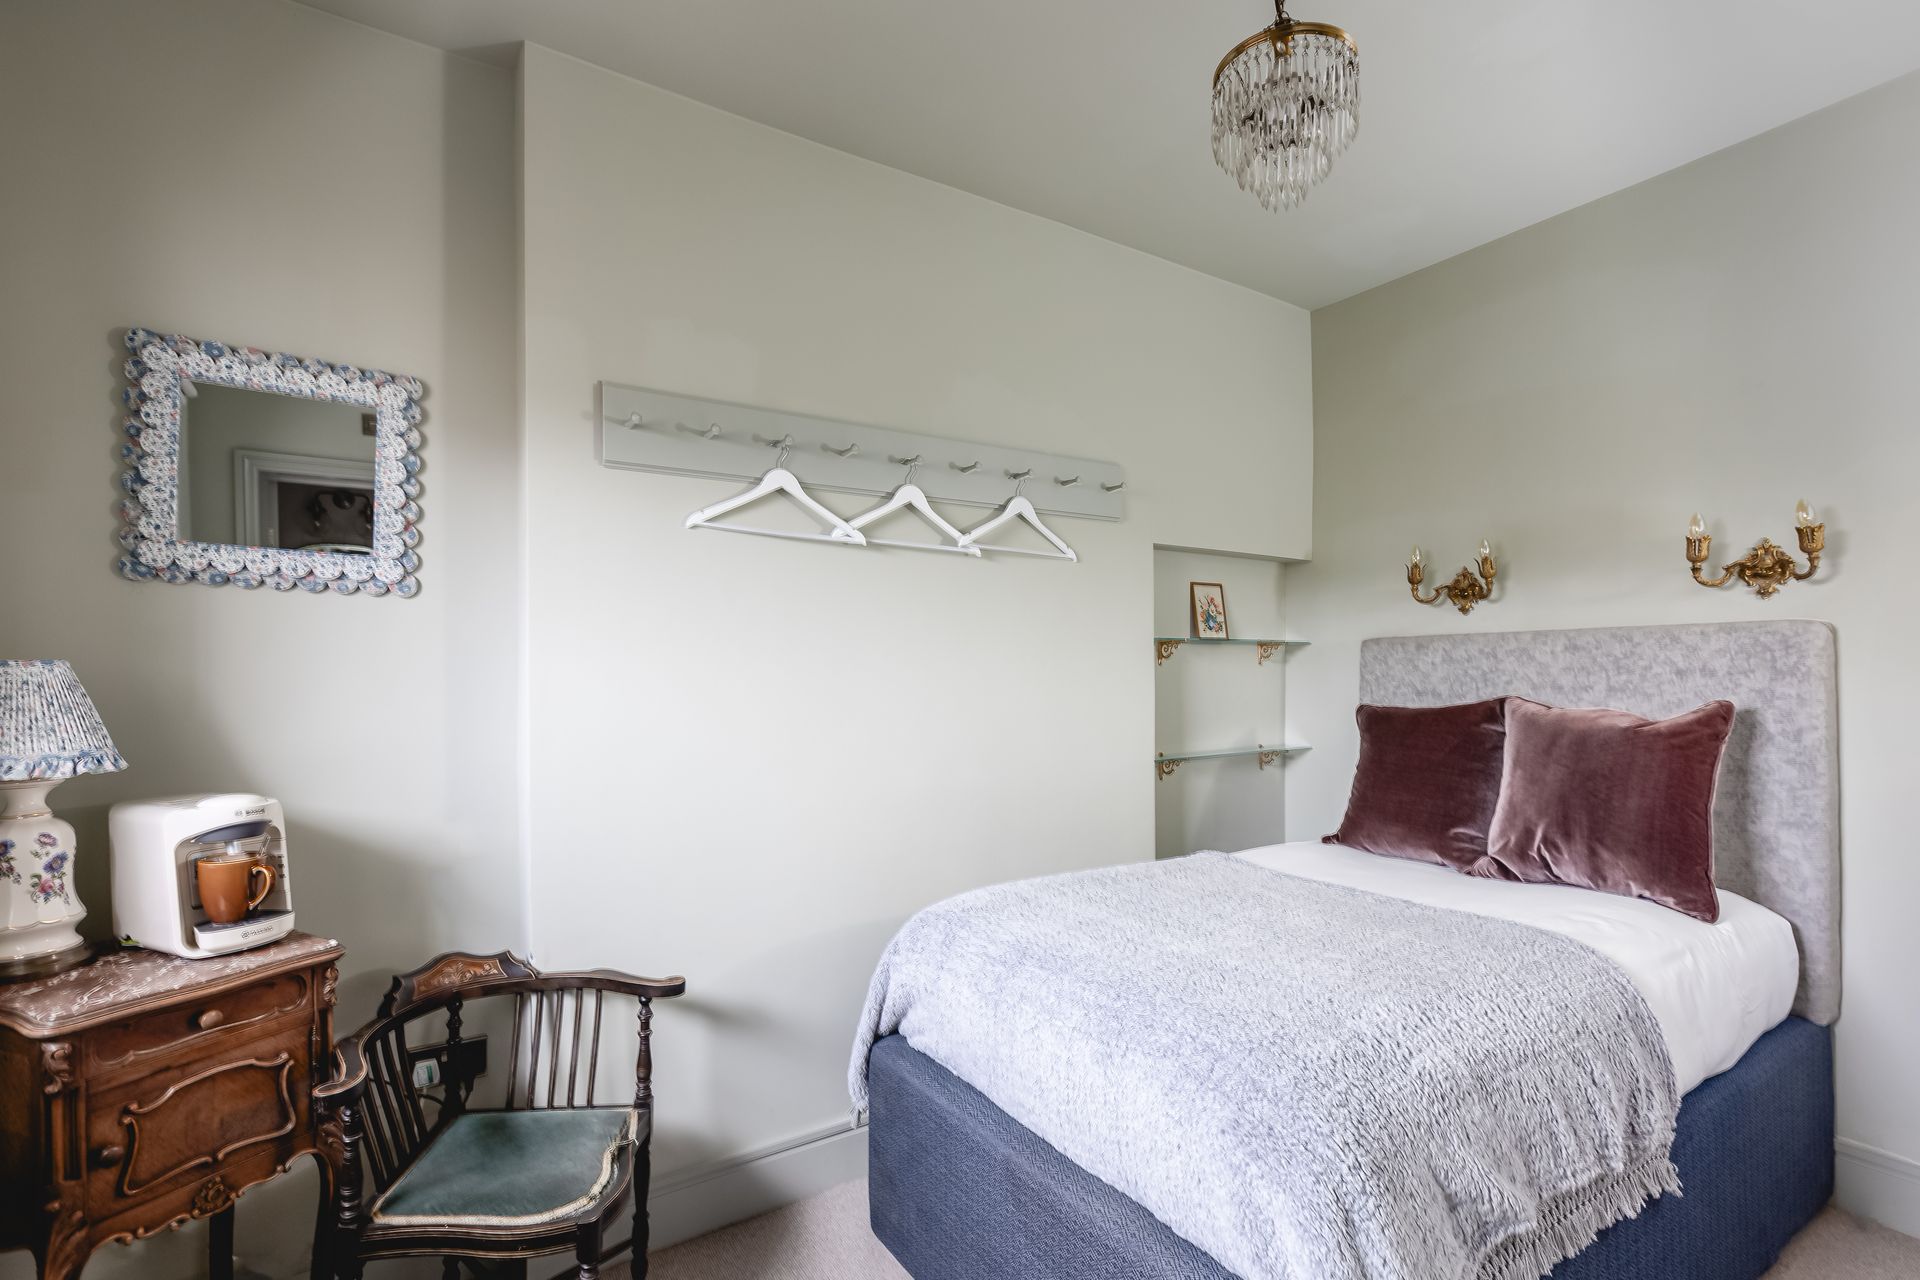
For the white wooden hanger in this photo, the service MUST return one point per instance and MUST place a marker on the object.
(1018, 507)
(910, 495)
(784, 481)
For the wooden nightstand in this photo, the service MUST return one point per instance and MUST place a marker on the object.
(144, 1090)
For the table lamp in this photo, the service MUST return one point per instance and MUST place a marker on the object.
(49, 732)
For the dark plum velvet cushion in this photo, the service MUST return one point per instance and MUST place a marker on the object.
(1610, 801)
(1427, 782)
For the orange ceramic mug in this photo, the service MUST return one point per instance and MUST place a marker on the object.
(226, 881)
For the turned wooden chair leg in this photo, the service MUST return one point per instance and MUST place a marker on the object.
(586, 1249)
(642, 1171)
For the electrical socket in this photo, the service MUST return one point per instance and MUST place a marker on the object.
(433, 1063)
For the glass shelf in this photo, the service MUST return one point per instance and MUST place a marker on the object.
(1165, 647)
(1165, 764)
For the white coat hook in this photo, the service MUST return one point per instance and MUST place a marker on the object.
(1068, 483)
(847, 452)
(633, 422)
(1019, 479)
(711, 433)
(784, 444)
(911, 464)
(967, 470)
(1114, 488)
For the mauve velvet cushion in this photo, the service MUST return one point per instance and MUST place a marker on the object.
(1610, 801)
(1427, 782)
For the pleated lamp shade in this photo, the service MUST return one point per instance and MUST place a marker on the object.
(48, 726)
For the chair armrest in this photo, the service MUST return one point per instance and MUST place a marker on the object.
(627, 983)
(349, 1069)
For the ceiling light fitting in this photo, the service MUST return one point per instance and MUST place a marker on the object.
(1286, 101)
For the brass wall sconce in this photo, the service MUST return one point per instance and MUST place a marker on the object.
(1465, 591)
(1767, 567)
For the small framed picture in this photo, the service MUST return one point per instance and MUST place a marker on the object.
(1209, 610)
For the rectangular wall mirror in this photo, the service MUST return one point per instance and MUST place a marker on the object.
(256, 468)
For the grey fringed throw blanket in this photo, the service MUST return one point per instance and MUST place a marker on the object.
(1307, 1081)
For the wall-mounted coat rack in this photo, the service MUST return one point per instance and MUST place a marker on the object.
(689, 436)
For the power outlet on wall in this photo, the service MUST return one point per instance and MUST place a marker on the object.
(432, 1063)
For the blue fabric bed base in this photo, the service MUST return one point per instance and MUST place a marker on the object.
(960, 1191)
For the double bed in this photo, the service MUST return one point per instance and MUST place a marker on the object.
(1732, 1016)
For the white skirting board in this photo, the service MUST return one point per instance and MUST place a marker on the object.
(692, 1202)
(1878, 1184)
(707, 1197)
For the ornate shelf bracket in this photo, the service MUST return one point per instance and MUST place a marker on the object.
(1164, 647)
(1164, 768)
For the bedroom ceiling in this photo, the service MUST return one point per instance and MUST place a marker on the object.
(1479, 117)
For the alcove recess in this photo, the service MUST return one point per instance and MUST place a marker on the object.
(1220, 711)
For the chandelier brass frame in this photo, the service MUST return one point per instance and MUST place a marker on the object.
(1280, 35)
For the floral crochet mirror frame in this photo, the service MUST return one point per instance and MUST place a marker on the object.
(166, 372)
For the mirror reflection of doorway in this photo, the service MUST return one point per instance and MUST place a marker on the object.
(315, 504)
(325, 518)
(262, 469)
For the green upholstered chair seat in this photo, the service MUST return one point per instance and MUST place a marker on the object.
(509, 1169)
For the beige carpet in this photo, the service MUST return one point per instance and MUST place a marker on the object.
(826, 1238)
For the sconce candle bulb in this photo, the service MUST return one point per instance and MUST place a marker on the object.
(1767, 567)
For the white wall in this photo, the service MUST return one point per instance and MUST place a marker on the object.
(750, 759)
(259, 173)
(1727, 338)
(1218, 698)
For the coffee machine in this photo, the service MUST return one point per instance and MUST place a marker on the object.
(156, 894)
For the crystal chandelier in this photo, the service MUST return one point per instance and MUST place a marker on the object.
(1285, 102)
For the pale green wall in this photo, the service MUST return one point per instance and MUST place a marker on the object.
(751, 760)
(258, 173)
(1727, 338)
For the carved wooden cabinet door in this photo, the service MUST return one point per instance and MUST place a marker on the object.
(155, 1090)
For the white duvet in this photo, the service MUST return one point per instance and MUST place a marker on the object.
(1713, 988)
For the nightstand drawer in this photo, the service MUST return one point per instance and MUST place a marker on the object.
(183, 1124)
(141, 1040)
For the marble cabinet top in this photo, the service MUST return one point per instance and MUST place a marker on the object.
(134, 979)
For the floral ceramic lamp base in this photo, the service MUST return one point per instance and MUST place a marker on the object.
(36, 885)
(49, 732)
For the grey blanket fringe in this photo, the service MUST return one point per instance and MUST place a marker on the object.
(1307, 1081)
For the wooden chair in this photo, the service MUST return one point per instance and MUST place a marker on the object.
(541, 1174)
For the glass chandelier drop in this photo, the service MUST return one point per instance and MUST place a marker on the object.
(1285, 102)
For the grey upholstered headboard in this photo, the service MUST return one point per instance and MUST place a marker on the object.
(1777, 819)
